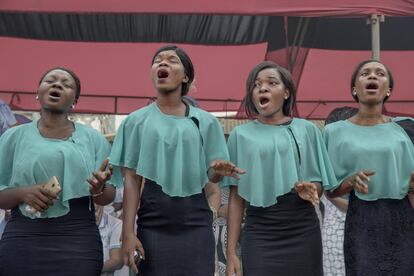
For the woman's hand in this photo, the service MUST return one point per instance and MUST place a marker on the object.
(220, 168)
(308, 191)
(38, 197)
(359, 181)
(131, 243)
(233, 266)
(98, 179)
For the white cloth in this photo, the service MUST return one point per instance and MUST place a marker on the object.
(2, 221)
(110, 229)
(333, 240)
(119, 196)
(109, 209)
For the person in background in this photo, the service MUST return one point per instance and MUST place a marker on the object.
(373, 158)
(287, 167)
(64, 238)
(7, 119)
(110, 229)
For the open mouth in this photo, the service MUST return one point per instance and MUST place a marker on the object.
(263, 101)
(162, 74)
(371, 86)
(54, 95)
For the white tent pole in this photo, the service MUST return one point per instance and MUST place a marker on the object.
(374, 21)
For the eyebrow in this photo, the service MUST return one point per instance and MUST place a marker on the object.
(375, 68)
(270, 78)
(64, 79)
(169, 57)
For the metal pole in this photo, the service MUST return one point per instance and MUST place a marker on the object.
(374, 21)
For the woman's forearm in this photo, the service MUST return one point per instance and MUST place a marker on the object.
(345, 187)
(106, 197)
(132, 196)
(235, 217)
(10, 198)
(213, 195)
(340, 203)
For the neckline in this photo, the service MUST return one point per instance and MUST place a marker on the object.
(70, 137)
(285, 124)
(363, 126)
(186, 115)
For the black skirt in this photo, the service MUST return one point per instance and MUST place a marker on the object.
(379, 237)
(176, 233)
(68, 245)
(283, 239)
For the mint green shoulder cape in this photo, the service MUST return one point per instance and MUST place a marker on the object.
(170, 150)
(273, 163)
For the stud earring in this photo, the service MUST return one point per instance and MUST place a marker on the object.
(37, 97)
(389, 92)
(354, 91)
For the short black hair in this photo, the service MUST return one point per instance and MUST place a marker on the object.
(70, 72)
(185, 60)
(358, 68)
(287, 80)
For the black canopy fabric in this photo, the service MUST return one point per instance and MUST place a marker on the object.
(318, 32)
(190, 29)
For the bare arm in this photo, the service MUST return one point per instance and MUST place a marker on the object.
(213, 195)
(340, 203)
(107, 196)
(114, 262)
(10, 198)
(35, 196)
(359, 182)
(235, 216)
(132, 197)
(345, 188)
